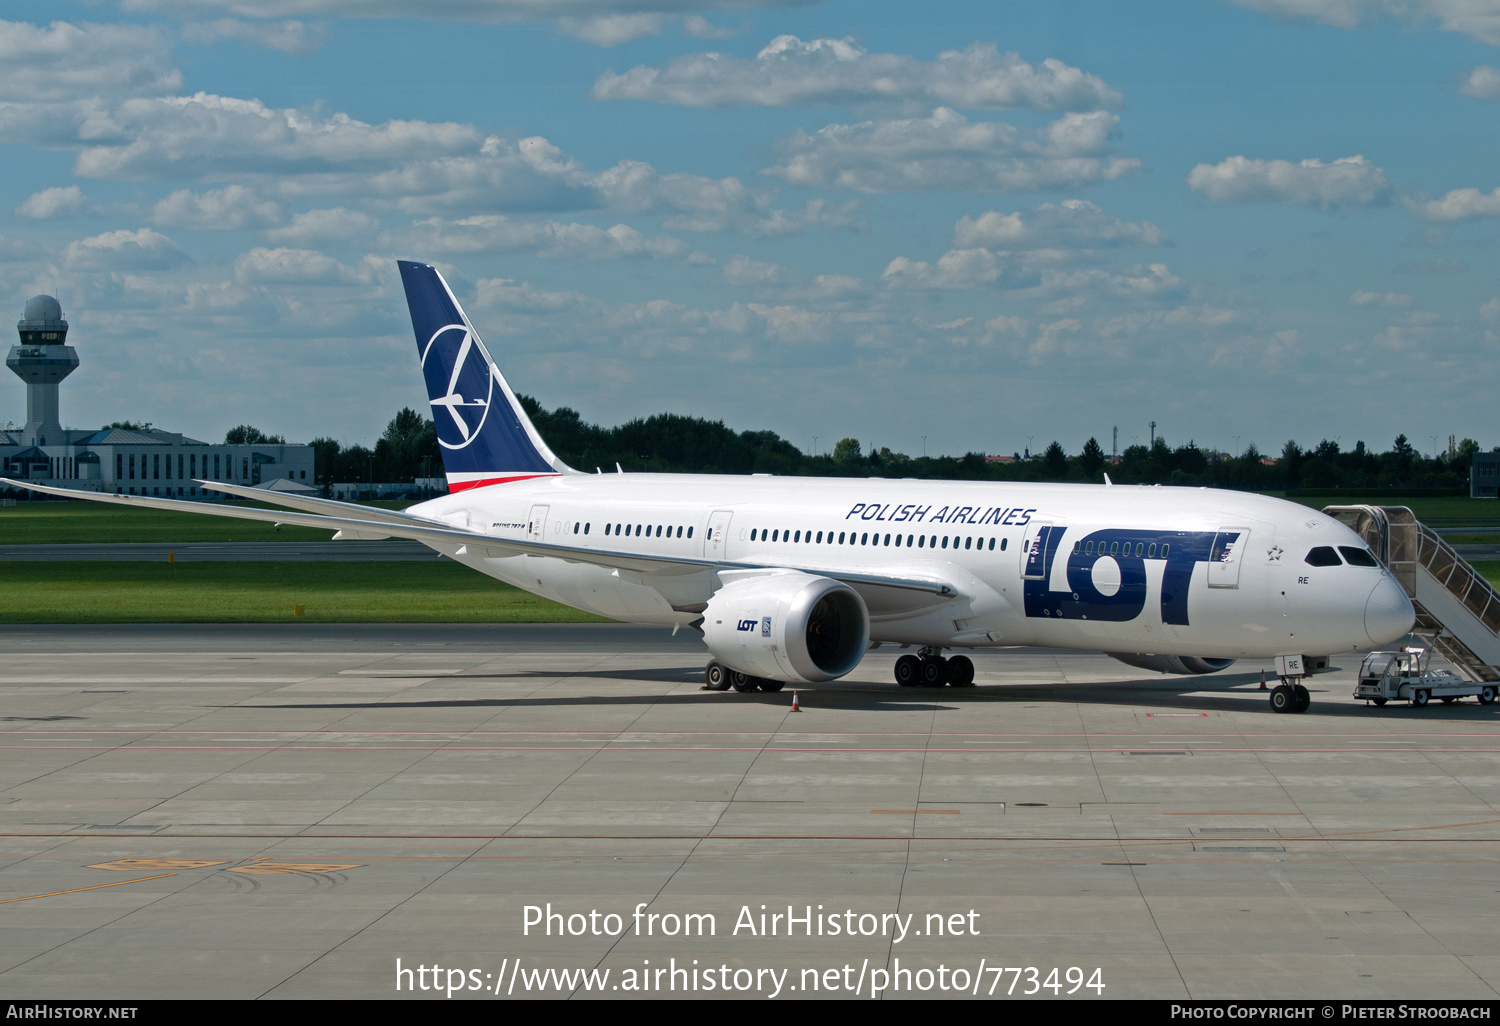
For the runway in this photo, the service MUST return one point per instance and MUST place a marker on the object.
(284, 811)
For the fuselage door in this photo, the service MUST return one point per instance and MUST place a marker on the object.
(536, 527)
(716, 537)
(1225, 557)
(1034, 551)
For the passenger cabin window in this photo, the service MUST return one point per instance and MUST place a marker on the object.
(1358, 557)
(1323, 555)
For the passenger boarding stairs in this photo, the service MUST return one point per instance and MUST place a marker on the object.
(1456, 607)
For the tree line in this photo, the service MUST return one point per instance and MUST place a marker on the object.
(671, 443)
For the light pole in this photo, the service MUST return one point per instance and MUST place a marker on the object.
(924, 447)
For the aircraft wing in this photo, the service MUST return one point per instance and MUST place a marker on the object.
(364, 521)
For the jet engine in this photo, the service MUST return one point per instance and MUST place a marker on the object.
(788, 626)
(1171, 663)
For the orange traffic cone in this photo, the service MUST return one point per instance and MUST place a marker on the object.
(796, 705)
(1263, 680)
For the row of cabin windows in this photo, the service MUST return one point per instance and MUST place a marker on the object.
(913, 541)
(651, 530)
(1141, 549)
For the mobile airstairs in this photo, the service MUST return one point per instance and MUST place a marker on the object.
(1456, 608)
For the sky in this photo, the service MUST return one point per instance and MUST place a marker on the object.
(939, 227)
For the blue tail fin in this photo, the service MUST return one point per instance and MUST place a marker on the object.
(485, 435)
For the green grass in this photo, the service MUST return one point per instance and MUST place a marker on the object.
(61, 523)
(1489, 569)
(1455, 508)
(114, 592)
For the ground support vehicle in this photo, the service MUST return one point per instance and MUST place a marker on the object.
(1405, 674)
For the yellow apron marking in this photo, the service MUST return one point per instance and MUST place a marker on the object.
(136, 865)
(75, 890)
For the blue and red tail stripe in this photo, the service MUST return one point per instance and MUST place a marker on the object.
(483, 433)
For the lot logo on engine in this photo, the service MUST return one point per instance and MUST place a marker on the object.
(745, 625)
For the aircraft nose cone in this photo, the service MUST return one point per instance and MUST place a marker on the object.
(1389, 615)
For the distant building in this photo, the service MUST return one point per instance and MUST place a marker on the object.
(120, 460)
(999, 459)
(1484, 476)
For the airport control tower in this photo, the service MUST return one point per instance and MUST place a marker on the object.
(42, 359)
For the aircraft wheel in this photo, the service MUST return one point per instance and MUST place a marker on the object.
(1378, 702)
(1487, 694)
(1303, 698)
(716, 677)
(1283, 700)
(908, 671)
(741, 682)
(1419, 698)
(961, 672)
(934, 672)
(770, 685)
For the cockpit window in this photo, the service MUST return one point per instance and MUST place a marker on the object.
(1323, 555)
(1357, 557)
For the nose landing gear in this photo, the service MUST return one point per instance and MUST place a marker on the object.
(1290, 696)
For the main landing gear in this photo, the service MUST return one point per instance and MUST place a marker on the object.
(718, 677)
(1290, 696)
(929, 669)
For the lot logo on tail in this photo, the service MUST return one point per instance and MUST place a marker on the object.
(471, 386)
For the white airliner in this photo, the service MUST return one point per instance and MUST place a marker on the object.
(794, 579)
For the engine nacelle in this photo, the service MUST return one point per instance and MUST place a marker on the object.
(787, 626)
(1171, 663)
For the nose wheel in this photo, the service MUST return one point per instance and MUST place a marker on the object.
(1290, 696)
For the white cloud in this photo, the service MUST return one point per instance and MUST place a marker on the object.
(1457, 205)
(484, 11)
(325, 225)
(294, 37)
(514, 295)
(297, 267)
(741, 270)
(955, 269)
(1483, 82)
(1490, 311)
(946, 151)
(497, 233)
(612, 29)
(140, 250)
(1072, 222)
(699, 27)
(415, 166)
(228, 209)
(204, 134)
(63, 201)
(1478, 19)
(61, 62)
(1363, 298)
(1028, 249)
(1346, 181)
(791, 72)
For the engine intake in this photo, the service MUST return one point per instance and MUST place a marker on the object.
(788, 626)
(1172, 664)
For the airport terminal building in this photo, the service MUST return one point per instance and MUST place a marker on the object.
(125, 461)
